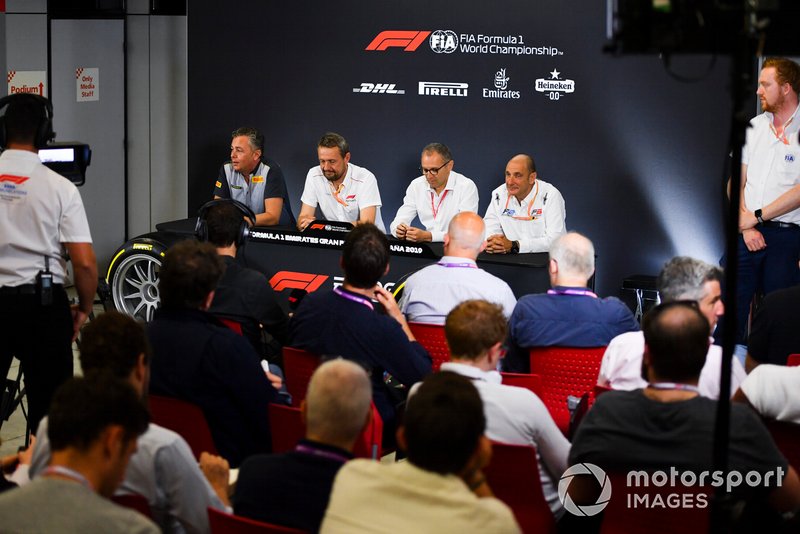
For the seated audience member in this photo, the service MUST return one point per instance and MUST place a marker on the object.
(93, 426)
(773, 391)
(14, 468)
(244, 295)
(775, 333)
(199, 360)
(430, 293)
(163, 469)
(518, 218)
(254, 180)
(293, 489)
(682, 278)
(342, 191)
(345, 322)
(475, 332)
(441, 487)
(569, 314)
(434, 198)
(669, 425)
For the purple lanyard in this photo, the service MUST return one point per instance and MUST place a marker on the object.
(354, 298)
(672, 385)
(466, 265)
(67, 472)
(576, 292)
(305, 449)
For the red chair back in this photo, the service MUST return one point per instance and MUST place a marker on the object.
(134, 502)
(565, 371)
(620, 518)
(286, 427)
(431, 336)
(524, 380)
(236, 326)
(184, 418)
(793, 360)
(513, 476)
(224, 523)
(369, 443)
(787, 437)
(298, 366)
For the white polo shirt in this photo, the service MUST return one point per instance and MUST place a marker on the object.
(435, 211)
(773, 167)
(360, 191)
(773, 391)
(39, 210)
(535, 222)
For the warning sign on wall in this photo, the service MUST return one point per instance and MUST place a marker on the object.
(27, 81)
(87, 84)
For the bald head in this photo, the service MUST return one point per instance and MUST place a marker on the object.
(337, 403)
(465, 236)
(676, 342)
(526, 160)
(573, 255)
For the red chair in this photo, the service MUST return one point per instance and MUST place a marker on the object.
(236, 326)
(224, 523)
(286, 427)
(793, 360)
(513, 476)
(134, 501)
(369, 443)
(184, 418)
(298, 366)
(621, 516)
(523, 380)
(431, 336)
(565, 371)
(787, 437)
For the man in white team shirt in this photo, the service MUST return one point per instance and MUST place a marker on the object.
(682, 278)
(343, 191)
(435, 197)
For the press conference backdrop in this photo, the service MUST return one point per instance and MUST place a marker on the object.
(638, 156)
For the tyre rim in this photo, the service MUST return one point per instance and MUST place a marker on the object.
(135, 286)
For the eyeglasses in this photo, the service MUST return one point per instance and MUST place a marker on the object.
(434, 172)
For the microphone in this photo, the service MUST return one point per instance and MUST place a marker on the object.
(296, 296)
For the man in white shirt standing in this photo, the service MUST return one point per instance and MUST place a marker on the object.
(434, 198)
(343, 191)
(525, 214)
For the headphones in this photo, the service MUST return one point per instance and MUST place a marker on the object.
(201, 228)
(44, 131)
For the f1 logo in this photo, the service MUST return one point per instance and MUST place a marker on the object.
(13, 179)
(294, 280)
(407, 40)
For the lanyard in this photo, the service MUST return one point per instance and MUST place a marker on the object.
(305, 449)
(354, 298)
(435, 210)
(336, 194)
(67, 472)
(530, 206)
(673, 385)
(577, 292)
(782, 136)
(466, 265)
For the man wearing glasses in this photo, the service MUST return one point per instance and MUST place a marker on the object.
(526, 214)
(434, 198)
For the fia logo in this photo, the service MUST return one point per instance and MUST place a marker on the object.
(789, 158)
(500, 79)
(444, 41)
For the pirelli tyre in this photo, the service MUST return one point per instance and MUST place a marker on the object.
(133, 277)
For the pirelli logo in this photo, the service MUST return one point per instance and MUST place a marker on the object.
(409, 40)
(294, 280)
(13, 179)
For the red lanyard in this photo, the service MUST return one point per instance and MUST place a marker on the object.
(336, 194)
(436, 209)
(530, 206)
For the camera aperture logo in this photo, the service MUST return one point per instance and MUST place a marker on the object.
(587, 509)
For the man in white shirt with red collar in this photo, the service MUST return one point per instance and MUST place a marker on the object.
(434, 198)
(525, 214)
(343, 191)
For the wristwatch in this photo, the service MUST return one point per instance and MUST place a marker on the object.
(757, 213)
(514, 247)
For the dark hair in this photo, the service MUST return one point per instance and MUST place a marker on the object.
(22, 119)
(334, 140)
(191, 270)
(440, 149)
(112, 342)
(85, 406)
(472, 327)
(365, 255)
(255, 137)
(786, 71)
(223, 223)
(676, 335)
(443, 423)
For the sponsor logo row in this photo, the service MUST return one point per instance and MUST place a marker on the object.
(450, 41)
(553, 87)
